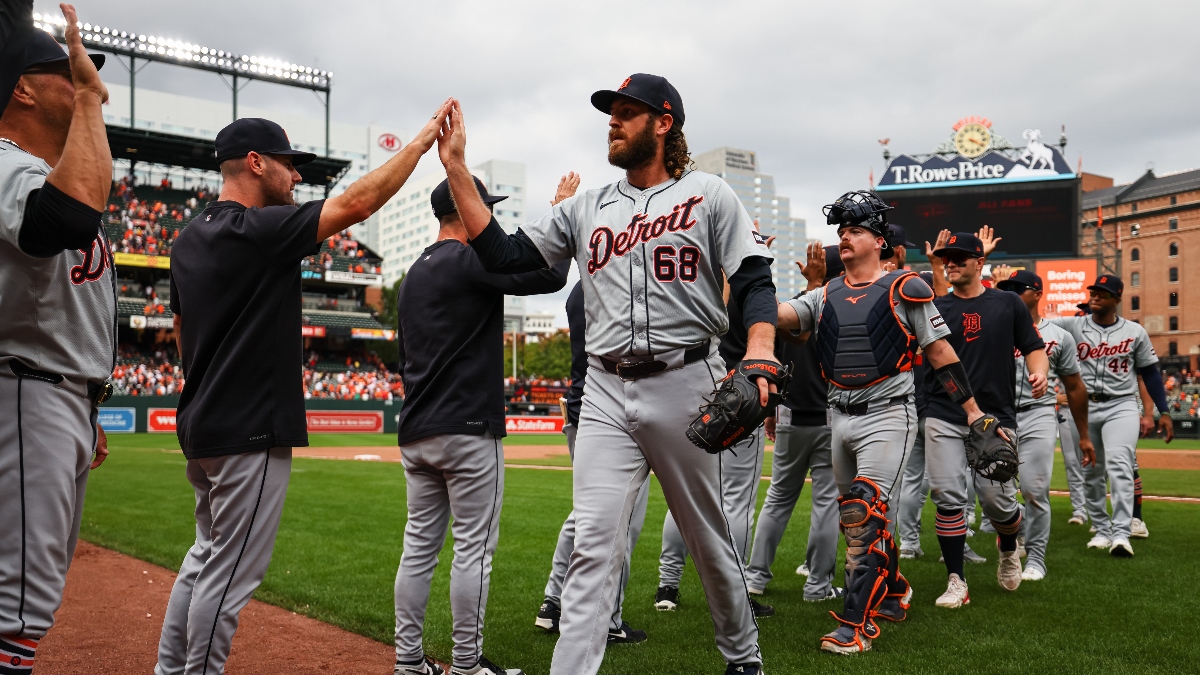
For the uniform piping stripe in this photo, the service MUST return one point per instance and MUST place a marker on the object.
(249, 530)
(21, 473)
(499, 463)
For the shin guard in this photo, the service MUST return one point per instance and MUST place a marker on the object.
(870, 553)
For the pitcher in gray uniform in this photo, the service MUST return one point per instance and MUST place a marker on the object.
(1068, 438)
(651, 250)
(867, 325)
(1037, 419)
(58, 311)
(1112, 353)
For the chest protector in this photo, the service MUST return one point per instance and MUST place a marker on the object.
(860, 337)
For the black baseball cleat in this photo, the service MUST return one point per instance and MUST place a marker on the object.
(486, 667)
(426, 666)
(761, 610)
(744, 669)
(666, 599)
(626, 635)
(548, 616)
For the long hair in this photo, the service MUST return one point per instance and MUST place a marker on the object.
(675, 152)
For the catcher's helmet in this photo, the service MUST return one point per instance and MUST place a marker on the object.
(861, 208)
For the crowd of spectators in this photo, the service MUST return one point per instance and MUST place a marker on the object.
(1183, 392)
(150, 224)
(343, 245)
(147, 373)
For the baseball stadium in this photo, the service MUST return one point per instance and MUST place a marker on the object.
(587, 472)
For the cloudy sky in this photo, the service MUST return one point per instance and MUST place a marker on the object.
(811, 87)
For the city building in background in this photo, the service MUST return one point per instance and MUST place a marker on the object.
(1143, 231)
(772, 212)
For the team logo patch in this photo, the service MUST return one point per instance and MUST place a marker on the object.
(972, 323)
(759, 238)
(937, 321)
(624, 84)
(604, 243)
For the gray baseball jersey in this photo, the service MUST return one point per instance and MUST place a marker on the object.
(1109, 356)
(60, 313)
(651, 260)
(921, 319)
(1060, 350)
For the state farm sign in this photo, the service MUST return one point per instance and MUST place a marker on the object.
(533, 425)
(390, 142)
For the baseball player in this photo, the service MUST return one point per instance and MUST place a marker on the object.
(651, 249)
(242, 410)
(867, 325)
(1068, 438)
(619, 631)
(58, 328)
(740, 475)
(450, 331)
(1037, 419)
(1112, 353)
(983, 322)
(802, 445)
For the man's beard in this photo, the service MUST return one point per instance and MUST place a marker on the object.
(636, 151)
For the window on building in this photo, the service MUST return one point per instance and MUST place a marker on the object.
(1173, 250)
(1172, 347)
(1135, 279)
(1135, 303)
(1173, 275)
(1172, 200)
(1135, 254)
(1135, 230)
(1174, 323)
(1173, 223)
(1133, 207)
(1173, 300)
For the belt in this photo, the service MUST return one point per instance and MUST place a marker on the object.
(1100, 398)
(860, 409)
(629, 369)
(96, 392)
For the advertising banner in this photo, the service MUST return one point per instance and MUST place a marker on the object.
(372, 334)
(312, 331)
(533, 425)
(160, 420)
(116, 420)
(1064, 285)
(141, 321)
(345, 421)
(162, 262)
(357, 278)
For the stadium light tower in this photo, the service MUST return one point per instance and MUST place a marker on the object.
(136, 46)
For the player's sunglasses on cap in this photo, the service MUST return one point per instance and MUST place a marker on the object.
(43, 54)
(255, 134)
(1021, 281)
(653, 90)
(1108, 283)
(961, 247)
(443, 205)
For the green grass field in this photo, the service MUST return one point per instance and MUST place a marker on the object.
(340, 542)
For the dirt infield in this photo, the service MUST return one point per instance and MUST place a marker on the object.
(112, 614)
(1168, 459)
(385, 453)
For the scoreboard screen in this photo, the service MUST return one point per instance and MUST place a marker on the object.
(1035, 219)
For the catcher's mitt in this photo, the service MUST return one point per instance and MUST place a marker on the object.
(992, 450)
(734, 411)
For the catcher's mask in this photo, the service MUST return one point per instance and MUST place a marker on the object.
(861, 208)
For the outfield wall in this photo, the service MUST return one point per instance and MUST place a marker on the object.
(128, 414)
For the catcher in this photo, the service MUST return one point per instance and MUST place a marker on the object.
(867, 325)
(986, 325)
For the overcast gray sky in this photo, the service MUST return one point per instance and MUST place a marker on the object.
(810, 86)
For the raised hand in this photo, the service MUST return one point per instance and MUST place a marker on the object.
(1001, 272)
(567, 185)
(452, 137)
(428, 134)
(942, 238)
(814, 271)
(83, 71)
(990, 241)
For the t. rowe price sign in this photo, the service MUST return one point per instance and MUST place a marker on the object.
(345, 421)
(1064, 285)
(533, 425)
(160, 420)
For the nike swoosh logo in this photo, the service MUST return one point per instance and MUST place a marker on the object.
(972, 339)
(608, 203)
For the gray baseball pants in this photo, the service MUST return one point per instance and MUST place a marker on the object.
(457, 475)
(239, 499)
(1113, 428)
(741, 472)
(47, 436)
(798, 450)
(627, 428)
(873, 446)
(1037, 433)
(949, 475)
(914, 488)
(566, 544)
(1068, 436)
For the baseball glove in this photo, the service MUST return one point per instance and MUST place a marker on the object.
(734, 411)
(992, 450)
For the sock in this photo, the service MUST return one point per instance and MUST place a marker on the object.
(1137, 495)
(952, 534)
(1007, 531)
(17, 654)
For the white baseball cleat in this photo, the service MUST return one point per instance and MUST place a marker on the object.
(1077, 519)
(754, 591)
(956, 594)
(911, 553)
(1021, 547)
(1099, 541)
(1138, 529)
(1092, 529)
(1008, 572)
(1033, 574)
(1121, 549)
(802, 570)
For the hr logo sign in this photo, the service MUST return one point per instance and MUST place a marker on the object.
(390, 142)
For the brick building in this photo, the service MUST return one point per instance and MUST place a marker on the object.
(1150, 227)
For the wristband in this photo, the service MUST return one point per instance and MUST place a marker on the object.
(954, 380)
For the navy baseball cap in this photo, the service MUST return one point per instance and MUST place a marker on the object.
(833, 263)
(898, 237)
(255, 134)
(43, 54)
(964, 242)
(1084, 307)
(1110, 283)
(653, 90)
(443, 205)
(1020, 281)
